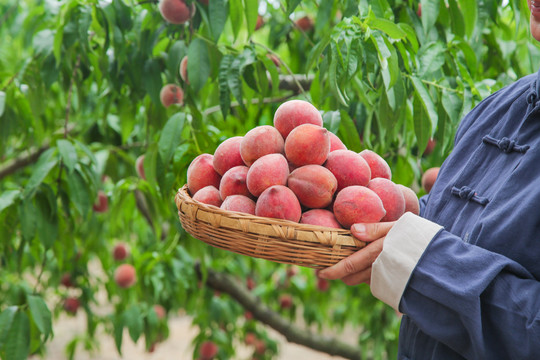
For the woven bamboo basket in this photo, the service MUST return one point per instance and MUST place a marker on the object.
(276, 240)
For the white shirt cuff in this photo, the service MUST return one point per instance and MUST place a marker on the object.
(404, 245)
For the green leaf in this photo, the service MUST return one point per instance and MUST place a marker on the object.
(456, 17)
(26, 212)
(134, 322)
(47, 161)
(224, 93)
(251, 8)
(411, 35)
(470, 14)
(8, 198)
(430, 12)
(118, 324)
(348, 132)
(198, 64)
(426, 101)
(332, 120)
(291, 5)
(176, 53)
(152, 79)
(387, 26)
(273, 71)
(171, 137)
(236, 12)
(57, 44)
(40, 314)
(79, 192)
(18, 339)
(46, 216)
(431, 58)
(333, 78)
(2, 102)
(218, 16)
(6, 320)
(234, 80)
(68, 153)
(316, 52)
(422, 125)
(452, 105)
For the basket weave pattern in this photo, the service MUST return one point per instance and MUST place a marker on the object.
(276, 240)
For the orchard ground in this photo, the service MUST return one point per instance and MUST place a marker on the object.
(178, 346)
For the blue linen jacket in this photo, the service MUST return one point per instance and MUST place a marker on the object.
(475, 292)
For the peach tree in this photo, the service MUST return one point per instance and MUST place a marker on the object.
(104, 103)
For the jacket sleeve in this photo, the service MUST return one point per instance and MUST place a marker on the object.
(481, 304)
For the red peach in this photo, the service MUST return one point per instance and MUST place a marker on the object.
(260, 22)
(313, 185)
(274, 59)
(139, 167)
(391, 197)
(208, 350)
(234, 182)
(102, 203)
(358, 204)
(292, 271)
(160, 311)
(120, 252)
(323, 284)
(71, 305)
(227, 155)
(307, 144)
(171, 94)
(305, 23)
(239, 203)
(201, 173)
(349, 168)
(411, 199)
(208, 195)
(250, 339)
(429, 147)
(250, 283)
(268, 170)
(260, 347)
(278, 202)
(285, 301)
(429, 177)
(260, 141)
(124, 276)
(336, 143)
(293, 113)
(176, 11)
(378, 166)
(183, 69)
(66, 280)
(320, 217)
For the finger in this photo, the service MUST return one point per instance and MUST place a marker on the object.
(359, 261)
(361, 277)
(371, 231)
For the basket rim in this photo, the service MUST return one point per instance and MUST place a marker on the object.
(252, 223)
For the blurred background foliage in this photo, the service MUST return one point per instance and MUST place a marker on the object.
(79, 103)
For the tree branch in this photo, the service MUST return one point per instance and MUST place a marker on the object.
(23, 160)
(70, 92)
(227, 284)
(255, 101)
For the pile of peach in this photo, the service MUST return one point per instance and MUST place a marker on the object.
(297, 170)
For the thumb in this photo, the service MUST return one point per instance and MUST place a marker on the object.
(371, 231)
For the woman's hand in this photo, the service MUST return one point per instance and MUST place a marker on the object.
(356, 268)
